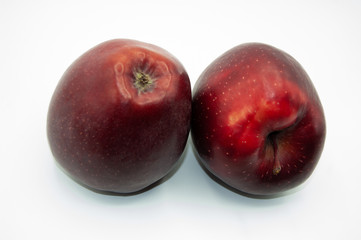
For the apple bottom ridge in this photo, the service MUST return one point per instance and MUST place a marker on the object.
(147, 188)
(235, 190)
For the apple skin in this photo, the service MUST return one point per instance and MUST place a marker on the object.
(119, 118)
(257, 121)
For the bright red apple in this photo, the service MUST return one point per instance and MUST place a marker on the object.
(120, 116)
(257, 121)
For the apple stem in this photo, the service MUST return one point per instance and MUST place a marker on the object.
(276, 167)
(276, 163)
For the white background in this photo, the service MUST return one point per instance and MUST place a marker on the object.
(40, 39)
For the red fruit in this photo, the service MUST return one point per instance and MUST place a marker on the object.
(120, 116)
(257, 121)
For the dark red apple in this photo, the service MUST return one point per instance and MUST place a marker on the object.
(257, 121)
(120, 116)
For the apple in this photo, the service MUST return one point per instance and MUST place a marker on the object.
(257, 123)
(119, 118)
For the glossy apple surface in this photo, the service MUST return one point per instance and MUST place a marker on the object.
(119, 118)
(257, 121)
